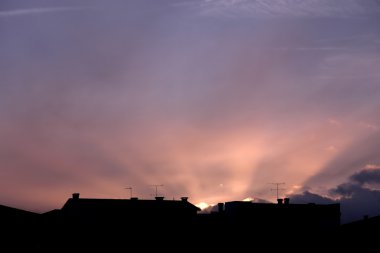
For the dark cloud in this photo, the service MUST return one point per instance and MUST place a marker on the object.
(308, 197)
(346, 189)
(369, 176)
(356, 200)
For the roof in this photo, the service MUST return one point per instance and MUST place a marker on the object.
(273, 205)
(372, 221)
(266, 208)
(122, 206)
(6, 211)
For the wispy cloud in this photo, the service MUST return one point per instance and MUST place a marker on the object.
(20, 12)
(369, 126)
(357, 38)
(284, 8)
(312, 48)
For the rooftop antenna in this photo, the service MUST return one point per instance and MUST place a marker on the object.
(130, 191)
(277, 189)
(156, 186)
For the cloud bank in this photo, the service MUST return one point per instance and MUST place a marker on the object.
(359, 195)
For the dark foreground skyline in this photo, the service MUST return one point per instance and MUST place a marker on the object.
(119, 224)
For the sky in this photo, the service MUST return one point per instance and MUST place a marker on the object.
(213, 99)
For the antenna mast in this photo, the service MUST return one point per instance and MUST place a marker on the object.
(156, 186)
(130, 191)
(277, 189)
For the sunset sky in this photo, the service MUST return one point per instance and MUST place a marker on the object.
(214, 99)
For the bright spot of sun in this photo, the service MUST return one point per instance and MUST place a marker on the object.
(248, 199)
(202, 205)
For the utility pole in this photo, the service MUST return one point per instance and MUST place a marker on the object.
(130, 191)
(156, 186)
(277, 189)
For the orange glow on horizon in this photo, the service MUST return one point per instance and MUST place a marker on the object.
(202, 205)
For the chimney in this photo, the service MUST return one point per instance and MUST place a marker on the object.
(286, 201)
(75, 195)
(220, 207)
(134, 198)
(184, 199)
(159, 198)
(279, 201)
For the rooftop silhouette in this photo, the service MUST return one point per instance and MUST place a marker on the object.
(128, 209)
(268, 215)
(90, 223)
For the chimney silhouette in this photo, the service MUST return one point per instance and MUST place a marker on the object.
(279, 201)
(220, 207)
(159, 198)
(76, 195)
(286, 201)
(184, 199)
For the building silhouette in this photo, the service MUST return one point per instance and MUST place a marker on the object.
(283, 214)
(112, 224)
(366, 227)
(129, 210)
(243, 221)
(17, 228)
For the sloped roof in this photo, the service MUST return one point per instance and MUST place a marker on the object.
(372, 221)
(248, 207)
(125, 205)
(6, 211)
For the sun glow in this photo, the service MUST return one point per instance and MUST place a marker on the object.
(202, 205)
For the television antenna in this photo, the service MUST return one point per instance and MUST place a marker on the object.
(156, 186)
(277, 189)
(130, 191)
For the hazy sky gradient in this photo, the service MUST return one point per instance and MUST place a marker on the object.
(213, 99)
